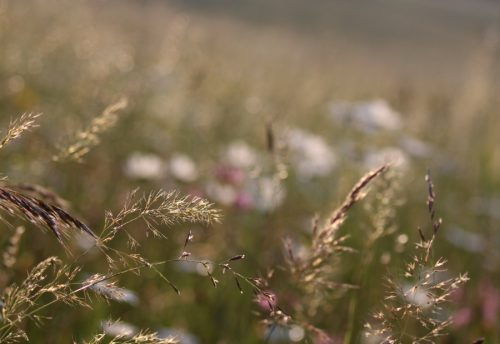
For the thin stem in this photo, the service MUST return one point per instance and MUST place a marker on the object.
(115, 274)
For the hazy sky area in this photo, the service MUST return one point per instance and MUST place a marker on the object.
(421, 38)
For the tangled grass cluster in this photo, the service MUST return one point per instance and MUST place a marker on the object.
(273, 146)
(414, 302)
(54, 281)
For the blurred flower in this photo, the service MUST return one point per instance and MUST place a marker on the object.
(385, 258)
(392, 155)
(402, 239)
(84, 241)
(144, 166)
(488, 206)
(296, 333)
(267, 193)
(466, 240)
(186, 266)
(182, 336)
(230, 175)
(462, 317)
(370, 337)
(490, 297)
(276, 333)
(243, 201)
(415, 147)
(183, 168)
(299, 250)
(311, 156)
(221, 193)
(370, 117)
(240, 154)
(118, 328)
(458, 295)
(417, 295)
(320, 337)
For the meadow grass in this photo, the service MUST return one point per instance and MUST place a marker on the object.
(183, 171)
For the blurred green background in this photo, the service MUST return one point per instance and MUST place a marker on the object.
(345, 85)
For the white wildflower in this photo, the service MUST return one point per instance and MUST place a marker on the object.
(371, 116)
(118, 328)
(417, 295)
(416, 147)
(296, 333)
(84, 241)
(222, 193)
(389, 155)
(183, 168)
(276, 334)
(371, 337)
(240, 154)
(486, 206)
(310, 154)
(467, 240)
(144, 166)
(267, 193)
(179, 334)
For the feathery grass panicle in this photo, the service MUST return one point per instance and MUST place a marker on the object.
(381, 210)
(355, 195)
(88, 138)
(312, 274)
(141, 337)
(15, 336)
(159, 208)
(325, 241)
(18, 126)
(413, 309)
(19, 203)
(21, 302)
(156, 209)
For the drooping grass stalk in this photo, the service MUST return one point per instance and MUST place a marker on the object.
(95, 280)
(18, 202)
(382, 213)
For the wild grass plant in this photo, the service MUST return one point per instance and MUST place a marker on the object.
(417, 302)
(222, 168)
(52, 277)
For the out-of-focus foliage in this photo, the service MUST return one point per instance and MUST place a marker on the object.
(275, 125)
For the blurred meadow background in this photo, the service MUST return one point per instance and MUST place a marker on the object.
(272, 110)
